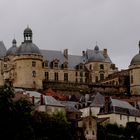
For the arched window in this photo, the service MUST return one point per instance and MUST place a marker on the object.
(101, 76)
(34, 73)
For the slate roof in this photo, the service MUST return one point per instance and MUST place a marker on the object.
(73, 60)
(12, 51)
(49, 100)
(33, 93)
(27, 48)
(50, 55)
(94, 55)
(122, 104)
(98, 101)
(70, 106)
(135, 60)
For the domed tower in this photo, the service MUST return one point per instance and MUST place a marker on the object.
(98, 64)
(12, 50)
(28, 64)
(134, 72)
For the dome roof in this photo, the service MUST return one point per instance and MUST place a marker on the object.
(28, 48)
(27, 30)
(135, 60)
(12, 50)
(2, 49)
(95, 55)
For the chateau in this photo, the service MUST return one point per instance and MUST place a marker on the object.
(27, 66)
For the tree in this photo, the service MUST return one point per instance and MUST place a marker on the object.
(6, 107)
(22, 116)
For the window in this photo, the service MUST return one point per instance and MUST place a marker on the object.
(92, 132)
(34, 73)
(90, 67)
(5, 65)
(101, 66)
(81, 80)
(96, 79)
(135, 119)
(120, 117)
(33, 63)
(128, 118)
(87, 132)
(76, 74)
(55, 64)
(90, 123)
(65, 77)
(47, 75)
(56, 76)
(131, 79)
(46, 64)
(65, 65)
(81, 74)
(76, 80)
(101, 76)
(81, 66)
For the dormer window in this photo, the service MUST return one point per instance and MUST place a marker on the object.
(55, 63)
(45, 64)
(80, 66)
(65, 65)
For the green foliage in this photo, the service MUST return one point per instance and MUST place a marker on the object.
(19, 121)
(52, 127)
(115, 132)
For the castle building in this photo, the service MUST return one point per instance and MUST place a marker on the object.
(27, 66)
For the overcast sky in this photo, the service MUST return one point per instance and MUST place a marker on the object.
(75, 25)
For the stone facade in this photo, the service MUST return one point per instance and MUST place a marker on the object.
(27, 66)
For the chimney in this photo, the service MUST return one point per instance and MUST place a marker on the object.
(105, 53)
(107, 104)
(41, 100)
(66, 53)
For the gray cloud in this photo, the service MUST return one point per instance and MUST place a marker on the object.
(76, 25)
